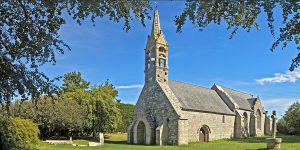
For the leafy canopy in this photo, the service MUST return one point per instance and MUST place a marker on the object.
(29, 38)
(63, 116)
(290, 122)
(73, 81)
(127, 112)
(99, 102)
(243, 14)
(106, 114)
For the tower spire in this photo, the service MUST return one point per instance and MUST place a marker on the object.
(156, 29)
(156, 54)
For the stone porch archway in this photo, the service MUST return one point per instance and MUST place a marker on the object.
(142, 133)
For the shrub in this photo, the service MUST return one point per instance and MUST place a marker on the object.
(281, 126)
(17, 133)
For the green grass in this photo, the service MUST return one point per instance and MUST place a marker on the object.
(118, 142)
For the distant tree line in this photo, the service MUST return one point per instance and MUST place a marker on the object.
(78, 110)
(290, 122)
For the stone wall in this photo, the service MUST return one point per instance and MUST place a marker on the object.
(218, 129)
(252, 125)
(258, 106)
(268, 125)
(154, 106)
(242, 129)
(183, 131)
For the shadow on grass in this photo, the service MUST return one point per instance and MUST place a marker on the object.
(110, 140)
(115, 142)
(88, 138)
(250, 140)
(285, 139)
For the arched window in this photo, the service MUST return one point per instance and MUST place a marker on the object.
(148, 59)
(258, 119)
(245, 121)
(162, 55)
(162, 50)
(162, 62)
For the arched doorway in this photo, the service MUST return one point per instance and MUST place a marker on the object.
(204, 134)
(258, 117)
(141, 133)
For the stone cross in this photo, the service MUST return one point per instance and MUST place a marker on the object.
(274, 117)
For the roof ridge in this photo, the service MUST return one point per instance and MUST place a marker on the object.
(237, 90)
(193, 85)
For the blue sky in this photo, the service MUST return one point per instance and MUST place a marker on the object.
(245, 63)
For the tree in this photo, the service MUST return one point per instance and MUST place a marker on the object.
(281, 126)
(243, 14)
(106, 115)
(100, 102)
(126, 111)
(29, 38)
(73, 82)
(292, 119)
(63, 116)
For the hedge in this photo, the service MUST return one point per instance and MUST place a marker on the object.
(17, 133)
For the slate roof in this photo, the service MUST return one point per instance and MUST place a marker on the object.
(198, 98)
(241, 98)
(252, 101)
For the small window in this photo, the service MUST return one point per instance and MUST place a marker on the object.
(162, 62)
(162, 49)
(223, 119)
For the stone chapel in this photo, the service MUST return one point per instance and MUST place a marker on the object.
(170, 112)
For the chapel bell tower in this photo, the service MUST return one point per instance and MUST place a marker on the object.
(156, 54)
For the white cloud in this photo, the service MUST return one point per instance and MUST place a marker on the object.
(279, 104)
(130, 86)
(289, 76)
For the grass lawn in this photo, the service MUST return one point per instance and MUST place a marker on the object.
(118, 142)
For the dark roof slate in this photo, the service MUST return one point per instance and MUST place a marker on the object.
(252, 101)
(194, 97)
(242, 99)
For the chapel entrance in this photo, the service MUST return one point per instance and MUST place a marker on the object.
(204, 134)
(141, 133)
